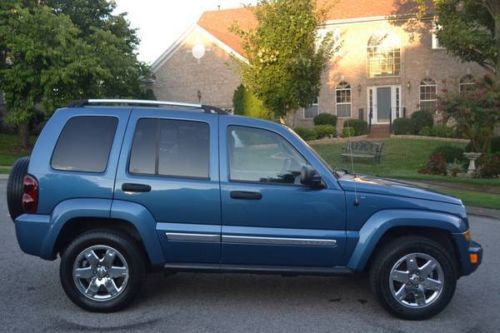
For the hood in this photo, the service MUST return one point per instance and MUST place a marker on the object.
(367, 184)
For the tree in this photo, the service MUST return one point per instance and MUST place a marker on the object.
(245, 103)
(285, 61)
(475, 113)
(469, 29)
(47, 60)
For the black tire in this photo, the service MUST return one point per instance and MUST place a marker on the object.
(126, 247)
(15, 187)
(389, 255)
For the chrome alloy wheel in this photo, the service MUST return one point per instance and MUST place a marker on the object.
(416, 280)
(100, 273)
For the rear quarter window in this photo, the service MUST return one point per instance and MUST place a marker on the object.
(85, 144)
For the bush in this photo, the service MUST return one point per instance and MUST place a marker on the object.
(403, 126)
(441, 131)
(421, 119)
(323, 131)
(450, 153)
(495, 145)
(491, 168)
(347, 132)
(325, 119)
(306, 133)
(246, 104)
(435, 166)
(359, 126)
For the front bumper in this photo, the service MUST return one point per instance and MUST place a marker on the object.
(475, 256)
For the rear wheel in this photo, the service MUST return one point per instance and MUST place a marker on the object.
(15, 188)
(102, 271)
(413, 277)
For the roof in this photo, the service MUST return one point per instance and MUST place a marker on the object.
(219, 22)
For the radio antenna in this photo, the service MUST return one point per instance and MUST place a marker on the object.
(349, 144)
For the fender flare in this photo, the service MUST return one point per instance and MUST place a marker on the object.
(381, 222)
(133, 213)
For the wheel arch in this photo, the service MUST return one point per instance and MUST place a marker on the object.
(384, 226)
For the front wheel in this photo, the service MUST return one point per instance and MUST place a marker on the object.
(413, 277)
(102, 271)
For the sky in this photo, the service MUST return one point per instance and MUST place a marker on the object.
(161, 22)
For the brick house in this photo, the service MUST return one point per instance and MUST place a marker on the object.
(382, 72)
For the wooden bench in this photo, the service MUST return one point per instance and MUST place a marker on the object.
(363, 149)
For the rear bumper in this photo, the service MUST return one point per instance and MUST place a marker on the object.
(31, 232)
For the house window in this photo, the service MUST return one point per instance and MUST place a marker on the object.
(428, 95)
(343, 99)
(467, 84)
(384, 55)
(312, 111)
(435, 40)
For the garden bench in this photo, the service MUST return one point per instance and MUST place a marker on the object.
(363, 149)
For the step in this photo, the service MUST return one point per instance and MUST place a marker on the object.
(379, 131)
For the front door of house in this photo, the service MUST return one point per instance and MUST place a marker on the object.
(385, 103)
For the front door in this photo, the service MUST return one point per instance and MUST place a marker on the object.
(172, 170)
(268, 217)
(385, 103)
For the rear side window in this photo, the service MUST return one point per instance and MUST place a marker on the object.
(175, 148)
(85, 144)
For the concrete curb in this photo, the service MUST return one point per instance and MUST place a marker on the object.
(4, 176)
(484, 212)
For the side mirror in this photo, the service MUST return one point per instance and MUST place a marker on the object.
(310, 177)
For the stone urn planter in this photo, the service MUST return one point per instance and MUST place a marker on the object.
(472, 157)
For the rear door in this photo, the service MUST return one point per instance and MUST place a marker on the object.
(169, 165)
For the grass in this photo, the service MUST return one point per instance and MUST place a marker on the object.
(10, 151)
(401, 158)
(475, 199)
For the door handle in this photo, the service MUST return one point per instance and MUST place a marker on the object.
(130, 187)
(246, 195)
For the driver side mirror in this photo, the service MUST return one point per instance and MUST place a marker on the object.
(311, 177)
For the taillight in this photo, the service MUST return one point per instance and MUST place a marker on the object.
(30, 194)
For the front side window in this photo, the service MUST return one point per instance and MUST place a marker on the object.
(175, 148)
(261, 156)
(343, 99)
(384, 54)
(85, 144)
(428, 95)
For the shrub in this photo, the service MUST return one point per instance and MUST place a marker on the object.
(435, 166)
(403, 126)
(347, 132)
(450, 153)
(490, 168)
(495, 145)
(359, 126)
(325, 119)
(306, 133)
(323, 131)
(421, 119)
(440, 130)
(247, 104)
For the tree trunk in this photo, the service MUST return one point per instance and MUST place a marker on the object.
(23, 130)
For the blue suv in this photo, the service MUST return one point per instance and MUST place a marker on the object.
(118, 188)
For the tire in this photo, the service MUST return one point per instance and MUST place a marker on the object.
(128, 257)
(403, 293)
(15, 187)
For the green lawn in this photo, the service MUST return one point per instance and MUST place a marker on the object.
(401, 158)
(10, 151)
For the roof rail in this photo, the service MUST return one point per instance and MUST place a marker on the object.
(206, 108)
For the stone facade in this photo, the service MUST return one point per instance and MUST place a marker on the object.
(179, 76)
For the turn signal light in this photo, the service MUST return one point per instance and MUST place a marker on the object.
(30, 194)
(473, 258)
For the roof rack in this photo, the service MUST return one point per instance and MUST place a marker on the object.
(205, 108)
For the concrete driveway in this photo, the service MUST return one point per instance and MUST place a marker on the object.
(32, 299)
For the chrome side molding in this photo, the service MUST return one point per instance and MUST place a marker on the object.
(192, 237)
(262, 240)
